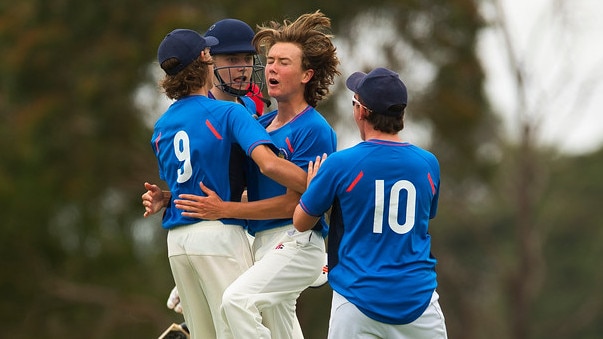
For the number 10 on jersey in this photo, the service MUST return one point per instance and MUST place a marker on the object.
(394, 203)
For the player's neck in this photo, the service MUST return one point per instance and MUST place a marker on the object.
(286, 111)
(220, 95)
(201, 91)
(373, 134)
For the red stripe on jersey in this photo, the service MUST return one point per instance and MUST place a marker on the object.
(433, 190)
(213, 130)
(289, 145)
(157, 142)
(353, 184)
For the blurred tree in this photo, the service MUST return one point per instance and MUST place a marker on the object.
(570, 301)
(74, 156)
(519, 269)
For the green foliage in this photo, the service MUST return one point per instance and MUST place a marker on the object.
(75, 156)
(571, 222)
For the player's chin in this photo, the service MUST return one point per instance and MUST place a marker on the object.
(240, 83)
(273, 92)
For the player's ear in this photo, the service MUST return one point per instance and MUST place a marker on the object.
(308, 74)
(205, 56)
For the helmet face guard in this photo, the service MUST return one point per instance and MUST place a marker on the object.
(241, 80)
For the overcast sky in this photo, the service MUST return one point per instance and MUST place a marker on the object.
(559, 46)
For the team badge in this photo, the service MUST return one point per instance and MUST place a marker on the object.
(282, 153)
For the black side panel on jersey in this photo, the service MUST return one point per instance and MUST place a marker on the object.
(336, 230)
(238, 176)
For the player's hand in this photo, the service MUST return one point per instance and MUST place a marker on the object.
(211, 207)
(154, 199)
(173, 302)
(313, 167)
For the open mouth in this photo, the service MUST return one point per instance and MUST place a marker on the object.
(273, 81)
(240, 79)
(240, 82)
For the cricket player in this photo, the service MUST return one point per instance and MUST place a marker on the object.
(238, 77)
(383, 193)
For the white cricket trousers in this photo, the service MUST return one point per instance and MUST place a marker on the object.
(347, 322)
(260, 304)
(205, 258)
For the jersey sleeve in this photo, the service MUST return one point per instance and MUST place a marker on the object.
(249, 104)
(247, 132)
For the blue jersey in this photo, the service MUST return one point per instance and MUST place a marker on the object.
(192, 141)
(249, 105)
(246, 101)
(302, 139)
(383, 195)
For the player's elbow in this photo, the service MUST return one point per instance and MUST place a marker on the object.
(269, 167)
(301, 220)
(290, 206)
(266, 160)
(301, 227)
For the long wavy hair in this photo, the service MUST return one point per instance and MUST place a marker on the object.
(188, 80)
(311, 32)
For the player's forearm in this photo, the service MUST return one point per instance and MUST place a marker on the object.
(287, 174)
(280, 207)
(280, 170)
(302, 220)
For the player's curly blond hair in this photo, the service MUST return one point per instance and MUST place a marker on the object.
(311, 32)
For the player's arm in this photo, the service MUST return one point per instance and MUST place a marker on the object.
(279, 207)
(302, 221)
(213, 207)
(280, 170)
(154, 199)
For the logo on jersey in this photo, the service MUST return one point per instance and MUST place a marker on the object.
(279, 246)
(282, 153)
(285, 153)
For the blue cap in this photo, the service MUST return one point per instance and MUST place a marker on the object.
(185, 45)
(381, 91)
(235, 36)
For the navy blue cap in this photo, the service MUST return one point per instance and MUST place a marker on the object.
(381, 90)
(185, 45)
(235, 36)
